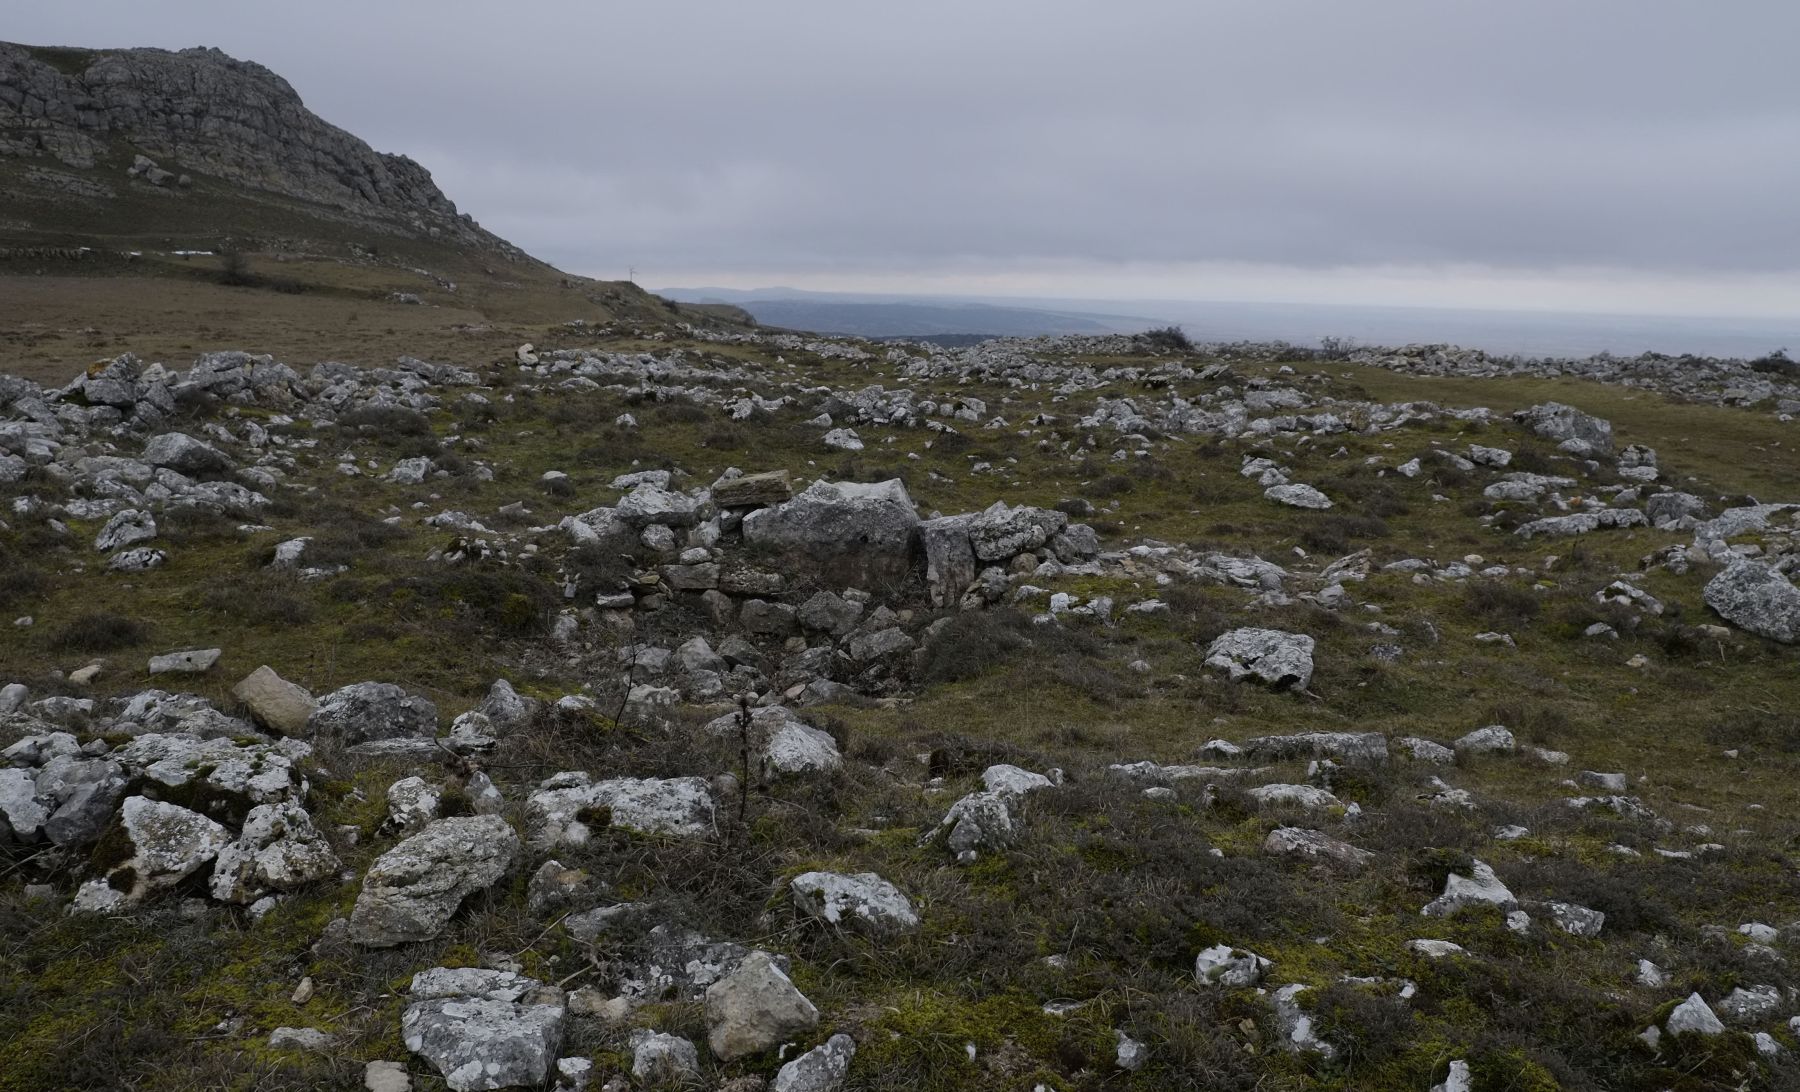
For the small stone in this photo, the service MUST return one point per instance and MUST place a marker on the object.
(821, 1069)
(386, 1077)
(311, 1039)
(192, 662)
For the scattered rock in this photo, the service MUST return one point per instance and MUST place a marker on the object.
(862, 899)
(821, 1069)
(412, 890)
(484, 1029)
(1276, 657)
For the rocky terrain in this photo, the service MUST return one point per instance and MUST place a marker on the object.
(666, 708)
(87, 124)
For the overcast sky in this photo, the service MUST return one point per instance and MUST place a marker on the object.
(1639, 155)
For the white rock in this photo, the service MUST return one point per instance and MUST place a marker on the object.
(862, 899)
(1223, 965)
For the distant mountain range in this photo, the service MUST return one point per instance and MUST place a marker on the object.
(913, 317)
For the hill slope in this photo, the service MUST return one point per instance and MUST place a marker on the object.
(128, 176)
(104, 130)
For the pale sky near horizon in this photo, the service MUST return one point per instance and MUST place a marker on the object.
(1599, 155)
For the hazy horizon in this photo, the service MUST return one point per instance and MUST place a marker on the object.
(1500, 331)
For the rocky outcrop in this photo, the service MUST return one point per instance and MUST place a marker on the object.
(201, 112)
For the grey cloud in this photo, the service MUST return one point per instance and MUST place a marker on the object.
(789, 135)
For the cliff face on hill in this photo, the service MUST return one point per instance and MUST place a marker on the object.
(102, 122)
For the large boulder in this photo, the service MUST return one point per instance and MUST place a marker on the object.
(980, 820)
(224, 778)
(1313, 845)
(412, 890)
(1297, 495)
(22, 814)
(754, 1008)
(485, 1029)
(1274, 656)
(858, 534)
(366, 711)
(1555, 421)
(280, 706)
(1695, 1017)
(80, 794)
(1755, 597)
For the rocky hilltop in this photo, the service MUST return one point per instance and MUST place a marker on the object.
(97, 122)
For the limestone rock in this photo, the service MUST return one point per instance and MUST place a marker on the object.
(169, 844)
(1555, 421)
(753, 490)
(821, 1069)
(1359, 747)
(279, 849)
(368, 711)
(192, 662)
(182, 453)
(127, 528)
(485, 1029)
(863, 900)
(658, 1058)
(1756, 598)
(1313, 845)
(980, 820)
(565, 807)
(412, 890)
(786, 744)
(755, 1008)
(1296, 495)
(950, 564)
(1694, 1016)
(1223, 965)
(412, 803)
(235, 776)
(1492, 740)
(1001, 532)
(1480, 888)
(650, 503)
(279, 705)
(863, 534)
(1276, 657)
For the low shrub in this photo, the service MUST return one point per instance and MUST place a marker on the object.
(100, 631)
